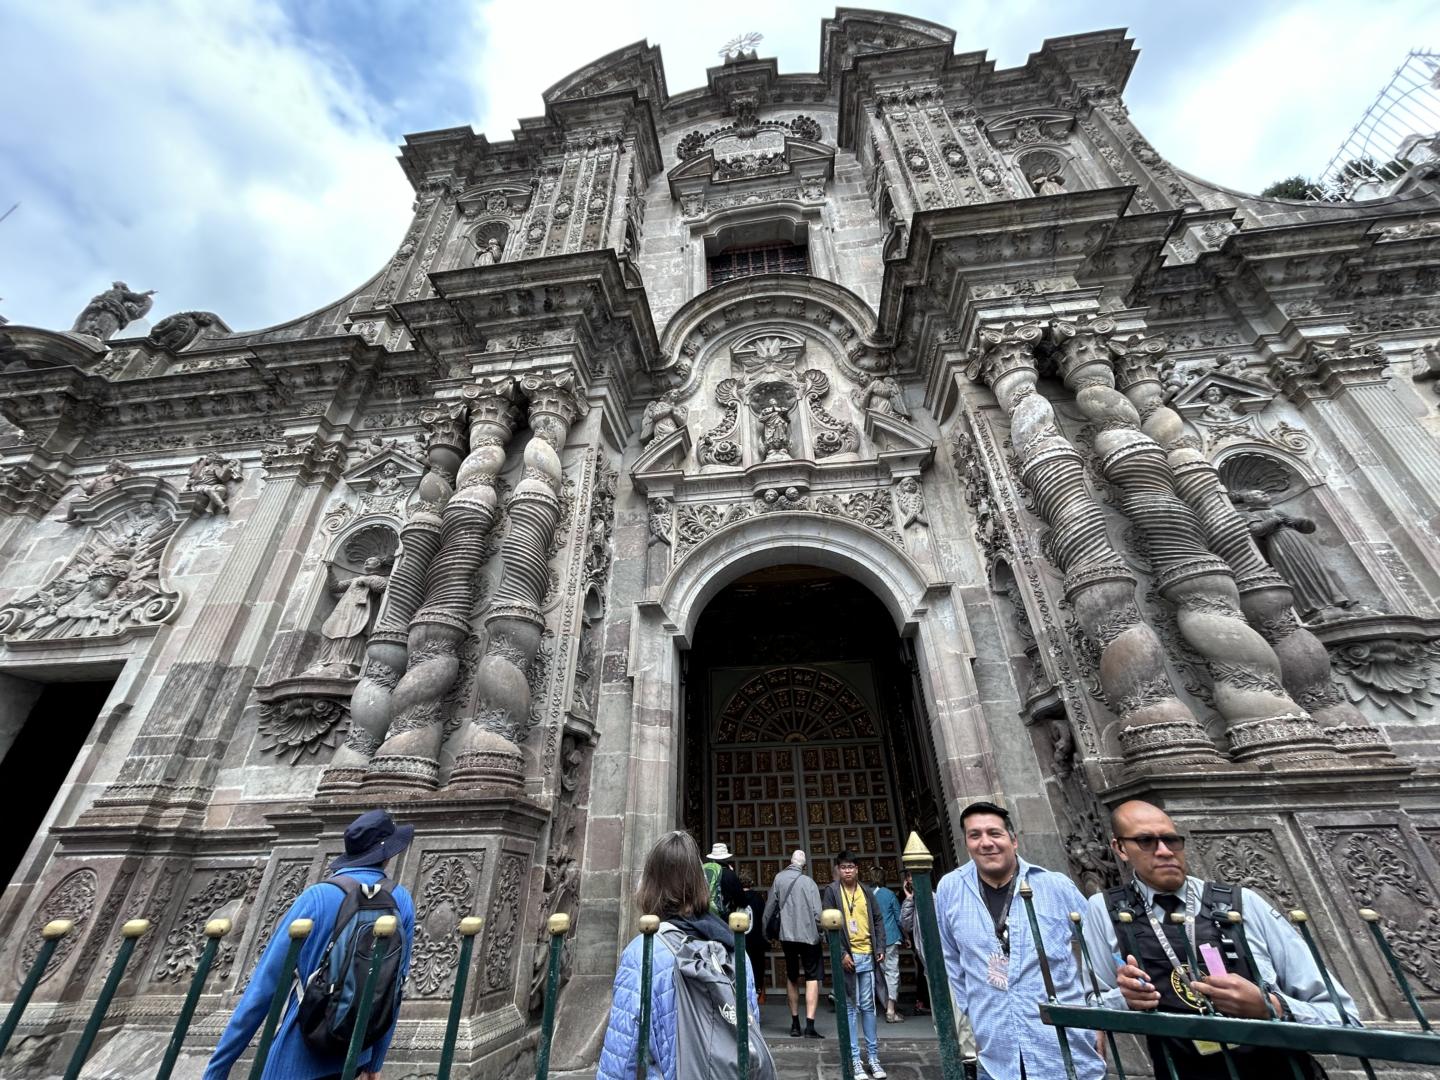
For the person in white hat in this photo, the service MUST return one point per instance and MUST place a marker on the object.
(726, 892)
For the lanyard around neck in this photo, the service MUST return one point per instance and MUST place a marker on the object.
(1174, 961)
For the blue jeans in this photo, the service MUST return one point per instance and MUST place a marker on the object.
(863, 999)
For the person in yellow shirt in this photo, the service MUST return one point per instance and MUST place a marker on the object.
(864, 933)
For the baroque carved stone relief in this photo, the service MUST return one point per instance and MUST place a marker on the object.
(225, 891)
(1383, 874)
(73, 898)
(445, 893)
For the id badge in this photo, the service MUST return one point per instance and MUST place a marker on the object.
(854, 927)
(997, 971)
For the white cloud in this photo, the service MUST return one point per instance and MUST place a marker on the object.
(201, 151)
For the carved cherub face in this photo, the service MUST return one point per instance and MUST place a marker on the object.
(373, 564)
(909, 485)
(391, 470)
(1214, 395)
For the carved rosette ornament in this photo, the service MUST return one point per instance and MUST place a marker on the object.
(1159, 731)
(1265, 597)
(386, 652)
(514, 625)
(1262, 720)
(410, 755)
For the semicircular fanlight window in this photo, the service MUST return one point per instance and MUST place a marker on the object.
(794, 704)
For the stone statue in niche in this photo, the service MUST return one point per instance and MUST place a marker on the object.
(775, 430)
(662, 416)
(884, 395)
(1319, 592)
(1218, 408)
(345, 630)
(113, 310)
(1048, 184)
(211, 477)
(489, 252)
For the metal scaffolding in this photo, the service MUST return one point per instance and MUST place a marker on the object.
(1399, 131)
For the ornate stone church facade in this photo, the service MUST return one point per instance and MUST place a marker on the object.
(793, 459)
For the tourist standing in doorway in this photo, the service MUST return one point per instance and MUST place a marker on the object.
(889, 960)
(864, 933)
(910, 931)
(794, 909)
(673, 887)
(757, 949)
(992, 960)
(726, 892)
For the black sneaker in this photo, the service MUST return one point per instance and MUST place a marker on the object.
(811, 1033)
(795, 1027)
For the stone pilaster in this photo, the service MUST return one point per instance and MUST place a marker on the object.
(1262, 721)
(387, 652)
(514, 625)
(1160, 732)
(409, 757)
(1265, 596)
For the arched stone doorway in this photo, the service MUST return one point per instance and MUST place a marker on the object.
(803, 726)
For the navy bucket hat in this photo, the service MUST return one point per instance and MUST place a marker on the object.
(372, 838)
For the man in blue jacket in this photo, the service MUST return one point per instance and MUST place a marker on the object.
(371, 840)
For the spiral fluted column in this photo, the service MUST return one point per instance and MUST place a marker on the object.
(386, 653)
(491, 754)
(1262, 721)
(410, 755)
(1265, 596)
(1159, 730)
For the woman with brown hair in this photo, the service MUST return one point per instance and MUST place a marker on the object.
(673, 887)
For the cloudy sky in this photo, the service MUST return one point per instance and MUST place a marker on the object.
(238, 155)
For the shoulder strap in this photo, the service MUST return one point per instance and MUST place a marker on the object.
(1118, 899)
(780, 900)
(1218, 898)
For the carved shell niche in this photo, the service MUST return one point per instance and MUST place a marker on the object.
(373, 541)
(1257, 472)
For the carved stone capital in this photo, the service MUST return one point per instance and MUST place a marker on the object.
(445, 423)
(555, 404)
(1084, 344)
(1001, 350)
(307, 459)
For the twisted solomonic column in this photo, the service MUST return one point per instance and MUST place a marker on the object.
(1159, 731)
(491, 754)
(1265, 596)
(386, 653)
(410, 755)
(1262, 721)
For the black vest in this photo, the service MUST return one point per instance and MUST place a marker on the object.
(1212, 927)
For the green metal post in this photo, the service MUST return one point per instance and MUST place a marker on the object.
(1127, 931)
(649, 924)
(1237, 921)
(559, 926)
(1371, 916)
(469, 927)
(831, 921)
(920, 862)
(1075, 922)
(740, 926)
(52, 934)
(1180, 919)
(215, 929)
(130, 933)
(1302, 922)
(385, 927)
(299, 931)
(1027, 895)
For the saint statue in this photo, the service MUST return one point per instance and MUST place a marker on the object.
(662, 416)
(490, 253)
(211, 476)
(884, 395)
(1319, 592)
(113, 310)
(1048, 184)
(345, 630)
(775, 430)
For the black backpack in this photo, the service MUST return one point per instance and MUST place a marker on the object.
(330, 1000)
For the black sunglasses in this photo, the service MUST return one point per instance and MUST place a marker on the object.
(1148, 843)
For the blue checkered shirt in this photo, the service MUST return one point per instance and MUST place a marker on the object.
(1007, 1021)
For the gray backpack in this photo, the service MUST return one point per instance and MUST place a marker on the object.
(705, 1036)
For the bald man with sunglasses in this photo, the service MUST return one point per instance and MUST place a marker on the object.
(1147, 842)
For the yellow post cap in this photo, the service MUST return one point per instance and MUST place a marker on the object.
(56, 928)
(135, 928)
(300, 929)
(917, 856)
(1234, 917)
(386, 925)
(1025, 890)
(217, 927)
(740, 922)
(831, 919)
(1179, 918)
(1075, 917)
(1369, 914)
(1125, 916)
(1299, 916)
(559, 924)
(649, 924)
(470, 925)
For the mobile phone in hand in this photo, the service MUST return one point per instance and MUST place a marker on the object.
(1213, 961)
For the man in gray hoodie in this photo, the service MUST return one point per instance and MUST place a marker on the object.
(797, 899)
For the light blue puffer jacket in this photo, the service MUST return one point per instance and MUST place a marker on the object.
(618, 1056)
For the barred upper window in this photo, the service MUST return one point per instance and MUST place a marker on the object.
(765, 259)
